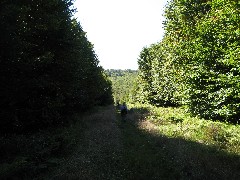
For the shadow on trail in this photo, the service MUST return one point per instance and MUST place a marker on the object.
(150, 155)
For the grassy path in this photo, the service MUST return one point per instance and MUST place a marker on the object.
(101, 147)
(111, 149)
(99, 153)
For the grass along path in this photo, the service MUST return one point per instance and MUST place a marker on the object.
(146, 146)
(112, 149)
(99, 153)
(155, 153)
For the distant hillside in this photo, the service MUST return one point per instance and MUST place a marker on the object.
(119, 72)
(123, 83)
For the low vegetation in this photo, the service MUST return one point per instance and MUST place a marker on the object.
(153, 143)
(176, 122)
(167, 143)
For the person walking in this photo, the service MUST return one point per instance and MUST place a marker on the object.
(124, 111)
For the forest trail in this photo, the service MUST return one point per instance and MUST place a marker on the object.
(99, 155)
(111, 149)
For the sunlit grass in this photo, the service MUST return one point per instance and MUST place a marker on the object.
(176, 122)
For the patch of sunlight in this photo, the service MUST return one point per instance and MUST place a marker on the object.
(177, 123)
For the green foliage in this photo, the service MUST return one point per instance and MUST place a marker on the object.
(207, 49)
(175, 122)
(167, 143)
(158, 76)
(123, 83)
(197, 62)
(48, 67)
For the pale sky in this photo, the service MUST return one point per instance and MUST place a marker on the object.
(119, 29)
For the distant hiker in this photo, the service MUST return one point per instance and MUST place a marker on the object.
(118, 105)
(124, 111)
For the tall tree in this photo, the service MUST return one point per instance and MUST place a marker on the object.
(206, 39)
(197, 62)
(48, 67)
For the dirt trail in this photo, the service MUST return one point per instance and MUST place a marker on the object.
(99, 156)
(111, 149)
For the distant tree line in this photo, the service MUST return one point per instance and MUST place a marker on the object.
(119, 72)
(48, 68)
(198, 61)
(123, 83)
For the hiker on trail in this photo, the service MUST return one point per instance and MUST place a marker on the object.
(118, 105)
(124, 111)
